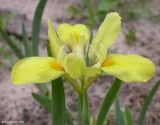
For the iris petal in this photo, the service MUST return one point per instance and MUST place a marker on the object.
(105, 37)
(129, 68)
(53, 39)
(74, 65)
(36, 70)
(73, 34)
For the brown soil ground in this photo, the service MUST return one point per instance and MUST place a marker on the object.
(16, 102)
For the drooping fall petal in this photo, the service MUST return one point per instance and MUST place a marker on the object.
(105, 37)
(129, 68)
(36, 70)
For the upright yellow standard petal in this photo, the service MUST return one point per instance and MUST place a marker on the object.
(74, 65)
(106, 36)
(53, 39)
(129, 68)
(73, 34)
(36, 70)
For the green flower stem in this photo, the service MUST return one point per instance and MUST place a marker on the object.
(79, 110)
(83, 108)
(85, 111)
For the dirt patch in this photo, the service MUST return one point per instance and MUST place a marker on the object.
(16, 101)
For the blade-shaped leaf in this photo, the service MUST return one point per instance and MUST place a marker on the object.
(147, 102)
(46, 103)
(11, 44)
(119, 114)
(128, 116)
(42, 100)
(36, 25)
(26, 43)
(107, 102)
(58, 102)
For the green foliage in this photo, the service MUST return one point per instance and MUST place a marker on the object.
(119, 113)
(74, 11)
(107, 102)
(94, 11)
(36, 25)
(58, 102)
(155, 18)
(106, 5)
(11, 44)
(42, 100)
(147, 102)
(46, 103)
(125, 117)
(128, 116)
(130, 36)
(26, 42)
(1, 23)
(85, 110)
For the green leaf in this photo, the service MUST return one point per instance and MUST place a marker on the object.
(43, 89)
(46, 103)
(36, 25)
(130, 36)
(74, 11)
(106, 5)
(107, 102)
(42, 100)
(1, 23)
(26, 43)
(86, 2)
(119, 114)
(68, 117)
(11, 44)
(147, 102)
(128, 116)
(58, 102)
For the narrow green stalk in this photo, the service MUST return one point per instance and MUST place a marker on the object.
(85, 110)
(79, 110)
(107, 102)
(58, 102)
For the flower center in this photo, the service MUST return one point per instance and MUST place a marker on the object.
(56, 66)
(76, 36)
(107, 62)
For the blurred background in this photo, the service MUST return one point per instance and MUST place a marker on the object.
(140, 34)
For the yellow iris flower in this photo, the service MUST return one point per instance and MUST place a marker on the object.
(69, 50)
